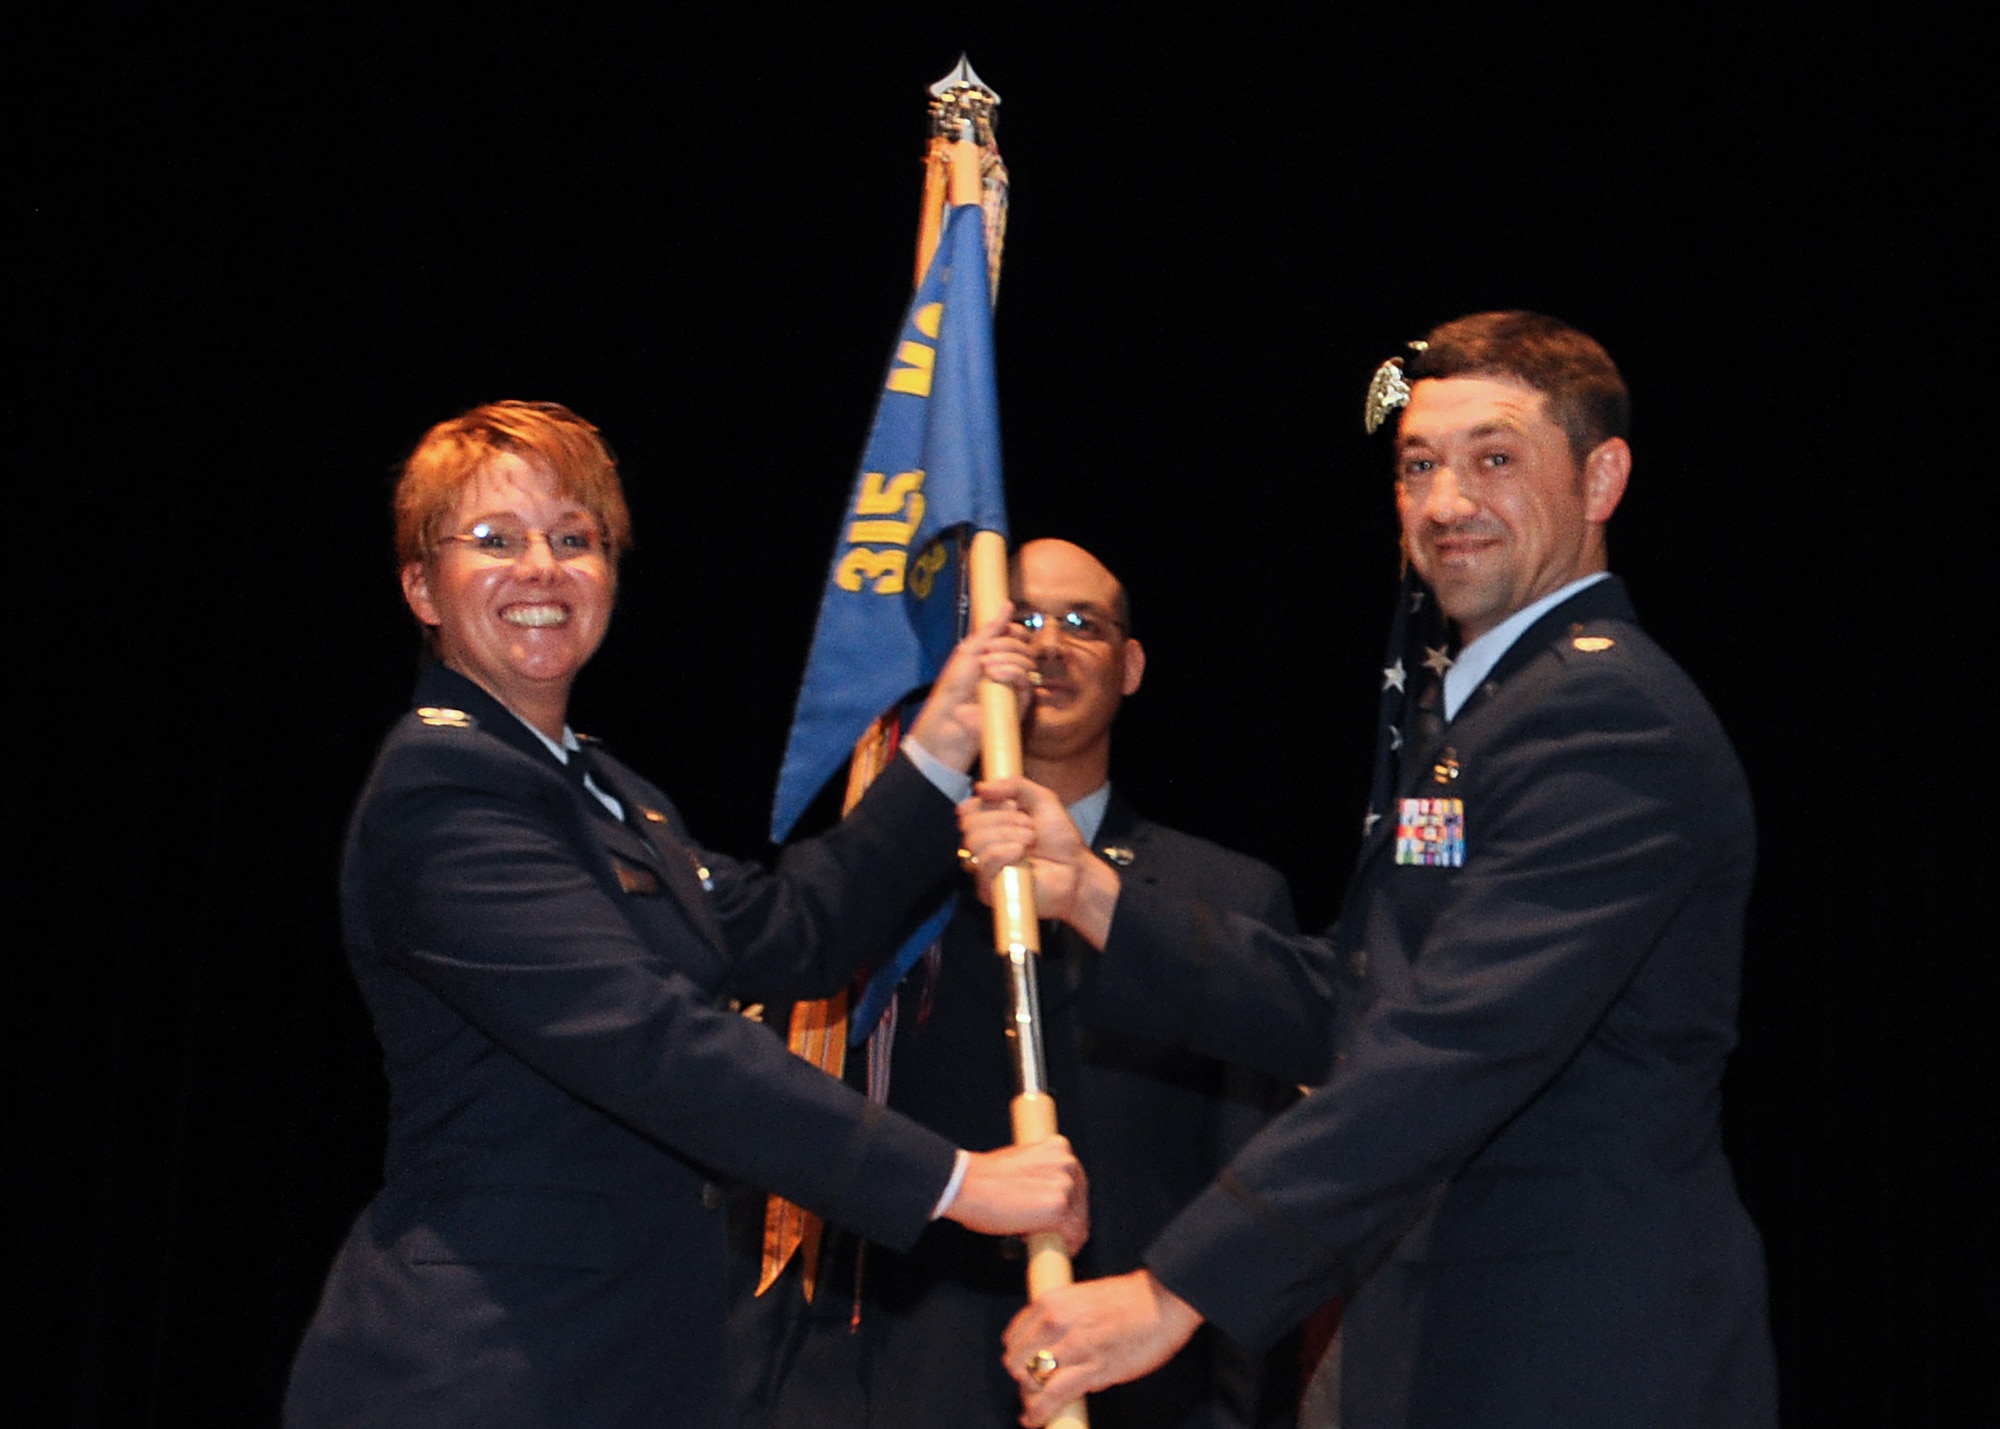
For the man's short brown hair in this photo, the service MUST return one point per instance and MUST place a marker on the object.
(1586, 396)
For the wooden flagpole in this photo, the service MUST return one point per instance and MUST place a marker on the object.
(1016, 930)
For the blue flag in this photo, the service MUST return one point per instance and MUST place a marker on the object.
(890, 612)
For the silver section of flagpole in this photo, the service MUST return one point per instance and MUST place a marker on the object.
(1024, 1029)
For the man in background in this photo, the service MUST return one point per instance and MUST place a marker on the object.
(912, 1341)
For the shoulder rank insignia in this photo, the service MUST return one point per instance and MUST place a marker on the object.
(1430, 833)
(1592, 644)
(439, 717)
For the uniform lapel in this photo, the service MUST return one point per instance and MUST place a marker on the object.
(658, 831)
(651, 835)
(1121, 835)
(1430, 739)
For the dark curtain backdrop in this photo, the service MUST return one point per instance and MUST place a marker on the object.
(256, 252)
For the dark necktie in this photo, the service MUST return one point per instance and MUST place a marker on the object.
(581, 764)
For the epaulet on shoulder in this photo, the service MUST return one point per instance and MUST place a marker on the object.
(1585, 641)
(444, 717)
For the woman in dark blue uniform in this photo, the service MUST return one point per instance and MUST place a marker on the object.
(550, 961)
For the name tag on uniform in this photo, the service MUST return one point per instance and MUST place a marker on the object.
(638, 882)
(1430, 833)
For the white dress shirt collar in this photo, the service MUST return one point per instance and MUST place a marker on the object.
(1476, 661)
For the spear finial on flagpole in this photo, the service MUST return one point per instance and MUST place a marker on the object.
(963, 98)
(962, 118)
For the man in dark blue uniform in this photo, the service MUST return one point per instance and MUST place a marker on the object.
(1514, 1172)
(1152, 1125)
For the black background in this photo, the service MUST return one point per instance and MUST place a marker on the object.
(256, 255)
